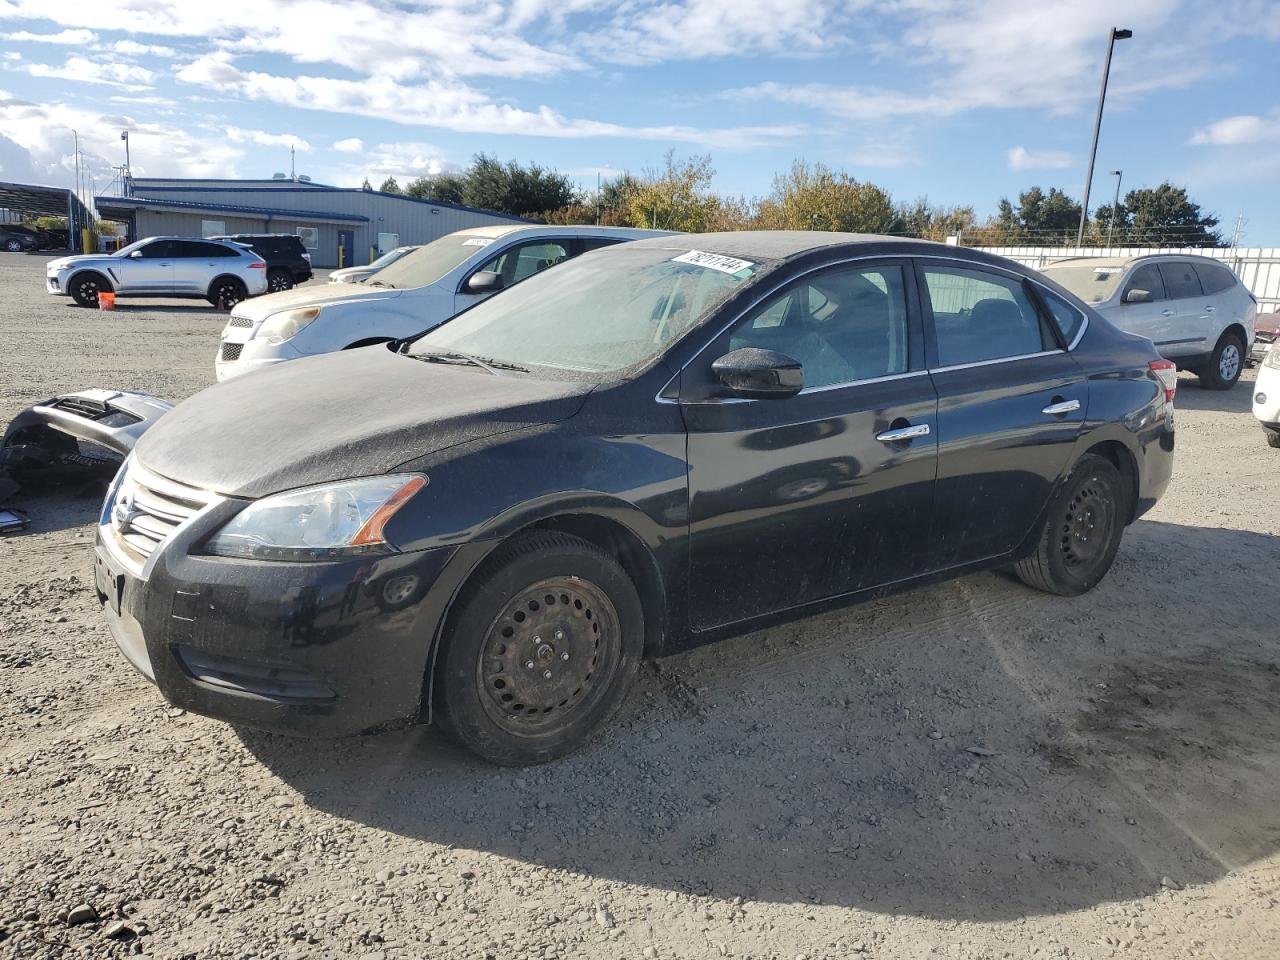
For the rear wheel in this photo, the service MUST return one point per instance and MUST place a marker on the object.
(278, 280)
(1082, 532)
(85, 288)
(1222, 370)
(226, 292)
(543, 650)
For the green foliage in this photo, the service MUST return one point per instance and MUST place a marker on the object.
(1160, 215)
(448, 187)
(366, 185)
(921, 219)
(511, 188)
(819, 199)
(389, 185)
(1047, 219)
(677, 197)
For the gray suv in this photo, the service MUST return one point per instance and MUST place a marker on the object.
(222, 272)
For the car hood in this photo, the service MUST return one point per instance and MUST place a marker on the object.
(259, 308)
(350, 414)
(1268, 323)
(82, 260)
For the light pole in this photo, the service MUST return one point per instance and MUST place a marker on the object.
(1112, 37)
(1115, 205)
(128, 167)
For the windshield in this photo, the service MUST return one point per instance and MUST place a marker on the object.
(390, 257)
(136, 245)
(429, 263)
(1091, 282)
(606, 311)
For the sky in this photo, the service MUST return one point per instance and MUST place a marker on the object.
(959, 101)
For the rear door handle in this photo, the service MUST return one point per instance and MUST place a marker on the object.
(1210, 309)
(1166, 313)
(1060, 408)
(903, 433)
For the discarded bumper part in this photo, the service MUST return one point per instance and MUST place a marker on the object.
(76, 437)
(11, 521)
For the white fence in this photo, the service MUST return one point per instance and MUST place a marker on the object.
(1257, 267)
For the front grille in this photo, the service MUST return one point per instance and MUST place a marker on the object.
(146, 509)
(239, 322)
(230, 351)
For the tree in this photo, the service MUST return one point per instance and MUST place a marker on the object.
(389, 185)
(921, 219)
(511, 188)
(1046, 219)
(1163, 215)
(677, 197)
(817, 198)
(366, 185)
(448, 187)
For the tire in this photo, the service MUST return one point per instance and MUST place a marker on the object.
(85, 288)
(490, 699)
(13, 246)
(1222, 370)
(278, 280)
(226, 292)
(1082, 531)
(1273, 439)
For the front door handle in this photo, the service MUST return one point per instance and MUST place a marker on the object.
(903, 433)
(1061, 407)
(1210, 309)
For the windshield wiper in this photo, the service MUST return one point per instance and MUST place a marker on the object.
(485, 363)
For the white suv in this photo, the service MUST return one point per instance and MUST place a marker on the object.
(1194, 309)
(220, 271)
(417, 292)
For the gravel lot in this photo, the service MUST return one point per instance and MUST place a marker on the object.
(968, 770)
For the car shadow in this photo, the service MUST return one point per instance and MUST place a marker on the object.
(66, 508)
(973, 750)
(1192, 396)
(147, 306)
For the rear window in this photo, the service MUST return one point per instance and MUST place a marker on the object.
(1214, 278)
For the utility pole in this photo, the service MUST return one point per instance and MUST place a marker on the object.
(1118, 174)
(1112, 37)
(1235, 234)
(128, 166)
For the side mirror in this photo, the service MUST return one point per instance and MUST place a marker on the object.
(1137, 295)
(759, 374)
(485, 281)
(136, 255)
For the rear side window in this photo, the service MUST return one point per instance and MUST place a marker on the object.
(1068, 319)
(981, 316)
(196, 248)
(1214, 278)
(1147, 277)
(1180, 280)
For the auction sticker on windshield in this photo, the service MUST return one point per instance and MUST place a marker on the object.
(477, 241)
(713, 261)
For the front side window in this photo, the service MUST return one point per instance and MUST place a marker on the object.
(158, 250)
(1147, 277)
(1180, 280)
(524, 260)
(596, 315)
(843, 325)
(981, 316)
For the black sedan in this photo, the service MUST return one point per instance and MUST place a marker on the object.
(657, 445)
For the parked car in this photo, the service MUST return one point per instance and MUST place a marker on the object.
(491, 525)
(1194, 309)
(17, 239)
(1266, 333)
(222, 272)
(356, 274)
(288, 263)
(417, 292)
(1266, 396)
(55, 238)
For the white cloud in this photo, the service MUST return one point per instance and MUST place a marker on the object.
(264, 139)
(1020, 158)
(68, 37)
(1247, 128)
(851, 103)
(132, 48)
(349, 145)
(107, 72)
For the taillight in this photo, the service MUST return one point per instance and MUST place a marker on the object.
(258, 266)
(1167, 373)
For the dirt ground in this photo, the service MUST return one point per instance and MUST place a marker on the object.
(970, 770)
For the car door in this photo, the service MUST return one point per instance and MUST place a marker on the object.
(1151, 318)
(195, 264)
(148, 269)
(830, 490)
(515, 263)
(1011, 403)
(1186, 331)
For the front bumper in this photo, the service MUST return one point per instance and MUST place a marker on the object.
(1258, 352)
(310, 649)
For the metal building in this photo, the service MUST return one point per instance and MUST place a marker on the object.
(339, 226)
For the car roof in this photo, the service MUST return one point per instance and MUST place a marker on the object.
(1127, 261)
(576, 230)
(782, 244)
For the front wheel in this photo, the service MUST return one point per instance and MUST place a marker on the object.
(227, 292)
(1082, 532)
(1273, 438)
(86, 287)
(1222, 370)
(543, 650)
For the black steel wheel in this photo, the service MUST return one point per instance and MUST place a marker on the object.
(1082, 530)
(542, 651)
(85, 288)
(226, 292)
(278, 280)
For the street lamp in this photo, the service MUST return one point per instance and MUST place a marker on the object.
(1115, 204)
(128, 167)
(1112, 37)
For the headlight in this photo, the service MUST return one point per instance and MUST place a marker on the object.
(286, 324)
(318, 523)
(1272, 358)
